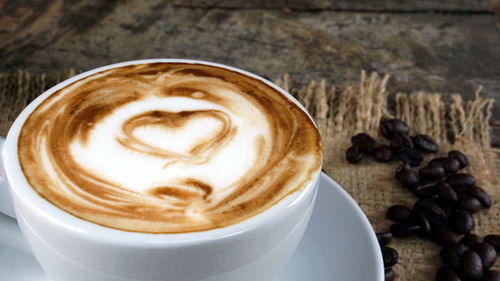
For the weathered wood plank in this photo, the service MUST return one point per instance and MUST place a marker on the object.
(428, 51)
(231, 4)
(392, 5)
(351, 5)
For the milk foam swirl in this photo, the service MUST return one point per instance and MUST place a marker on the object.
(167, 148)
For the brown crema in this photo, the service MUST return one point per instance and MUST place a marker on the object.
(285, 159)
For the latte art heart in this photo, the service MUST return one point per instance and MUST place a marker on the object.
(174, 121)
(168, 148)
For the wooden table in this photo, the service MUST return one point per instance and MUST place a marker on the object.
(448, 46)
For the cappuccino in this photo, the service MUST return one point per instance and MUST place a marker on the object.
(168, 148)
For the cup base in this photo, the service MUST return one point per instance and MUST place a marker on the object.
(60, 268)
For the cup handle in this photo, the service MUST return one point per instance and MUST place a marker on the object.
(6, 205)
(10, 234)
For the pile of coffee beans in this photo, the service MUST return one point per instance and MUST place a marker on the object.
(447, 199)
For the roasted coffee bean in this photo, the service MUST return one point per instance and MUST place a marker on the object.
(423, 223)
(471, 265)
(390, 127)
(449, 164)
(411, 156)
(438, 161)
(446, 194)
(459, 180)
(425, 189)
(444, 236)
(430, 210)
(425, 143)
(491, 275)
(389, 274)
(408, 178)
(452, 253)
(447, 273)
(487, 253)
(469, 204)
(404, 229)
(364, 142)
(390, 256)
(353, 155)
(480, 195)
(431, 173)
(399, 213)
(461, 221)
(382, 153)
(464, 162)
(400, 169)
(399, 141)
(471, 239)
(384, 238)
(493, 240)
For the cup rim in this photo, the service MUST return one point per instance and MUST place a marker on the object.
(89, 230)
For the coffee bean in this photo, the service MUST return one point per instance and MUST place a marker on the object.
(449, 164)
(425, 143)
(447, 273)
(389, 274)
(493, 240)
(487, 253)
(390, 256)
(438, 161)
(399, 141)
(469, 204)
(353, 155)
(411, 156)
(400, 169)
(398, 213)
(389, 127)
(464, 162)
(471, 265)
(408, 178)
(459, 180)
(384, 238)
(480, 195)
(424, 189)
(404, 230)
(431, 173)
(444, 236)
(430, 210)
(491, 275)
(471, 239)
(382, 153)
(364, 142)
(452, 253)
(461, 221)
(446, 194)
(423, 223)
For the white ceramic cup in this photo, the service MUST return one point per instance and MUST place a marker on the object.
(71, 249)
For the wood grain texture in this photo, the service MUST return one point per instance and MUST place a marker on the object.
(392, 5)
(449, 53)
(350, 5)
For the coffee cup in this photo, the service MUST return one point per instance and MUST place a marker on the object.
(72, 244)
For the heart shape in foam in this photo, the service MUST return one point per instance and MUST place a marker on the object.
(184, 135)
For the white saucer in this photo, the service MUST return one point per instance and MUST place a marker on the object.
(338, 245)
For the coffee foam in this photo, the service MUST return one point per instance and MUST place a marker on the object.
(167, 148)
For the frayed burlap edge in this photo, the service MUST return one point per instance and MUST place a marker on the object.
(18, 89)
(358, 108)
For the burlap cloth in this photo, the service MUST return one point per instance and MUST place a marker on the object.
(342, 111)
